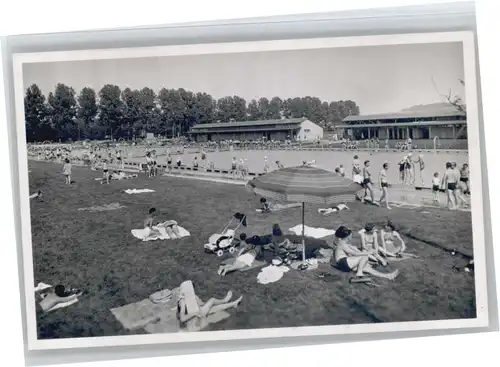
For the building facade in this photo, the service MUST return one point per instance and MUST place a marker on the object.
(295, 129)
(444, 124)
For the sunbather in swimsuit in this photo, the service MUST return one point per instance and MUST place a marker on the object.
(245, 258)
(389, 237)
(196, 318)
(56, 295)
(369, 243)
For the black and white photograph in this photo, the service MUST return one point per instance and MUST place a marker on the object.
(253, 189)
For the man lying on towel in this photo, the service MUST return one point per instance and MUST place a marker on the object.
(268, 207)
(120, 175)
(170, 226)
(333, 209)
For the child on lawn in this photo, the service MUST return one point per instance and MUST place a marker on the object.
(67, 171)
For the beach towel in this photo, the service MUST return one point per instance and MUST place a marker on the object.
(103, 208)
(278, 207)
(271, 274)
(311, 231)
(156, 318)
(139, 314)
(138, 191)
(255, 264)
(158, 232)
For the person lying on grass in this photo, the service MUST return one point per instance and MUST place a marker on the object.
(281, 246)
(333, 209)
(192, 312)
(170, 226)
(37, 194)
(244, 259)
(53, 296)
(348, 258)
(268, 207)
(369, 242)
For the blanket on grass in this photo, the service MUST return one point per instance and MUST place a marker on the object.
(158, 232)
(311, 231)
(103, 208)
(156, 318)
(138, 191)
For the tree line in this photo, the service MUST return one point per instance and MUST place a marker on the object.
(112, 112)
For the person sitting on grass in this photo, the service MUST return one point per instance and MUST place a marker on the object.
(390, 238)
(265, 205)
(369, 243)
(244, 259)
(281, 246)
(348, 258)
(192, 312)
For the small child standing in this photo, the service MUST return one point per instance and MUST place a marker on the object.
(67, 171)
(105, 172)
(436, 182)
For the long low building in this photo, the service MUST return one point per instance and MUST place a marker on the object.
(300, 129)
(443, 123)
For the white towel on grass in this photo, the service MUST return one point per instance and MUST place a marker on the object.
(138, 191)
(312, 232)
(271, 274)
(157, 233)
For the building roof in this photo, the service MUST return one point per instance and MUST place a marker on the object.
(405, 124)
(408, 114)
(249, 123)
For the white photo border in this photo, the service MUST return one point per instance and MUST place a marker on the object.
(479, 247)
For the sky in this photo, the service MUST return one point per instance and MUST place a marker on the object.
(380, 79)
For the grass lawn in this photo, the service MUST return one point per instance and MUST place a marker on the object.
(96, 252)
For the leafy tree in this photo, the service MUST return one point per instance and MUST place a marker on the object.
(38, 127)
(111, 110)
(253, 112)
(239, 109)
(132, 123)
(264, 108)
(274, 109)
(205, 107)
(86, 114)
(62, 109)
(173, 110)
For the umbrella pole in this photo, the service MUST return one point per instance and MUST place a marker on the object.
(303, 234)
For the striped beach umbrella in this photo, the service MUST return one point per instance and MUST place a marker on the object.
(305, 184)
